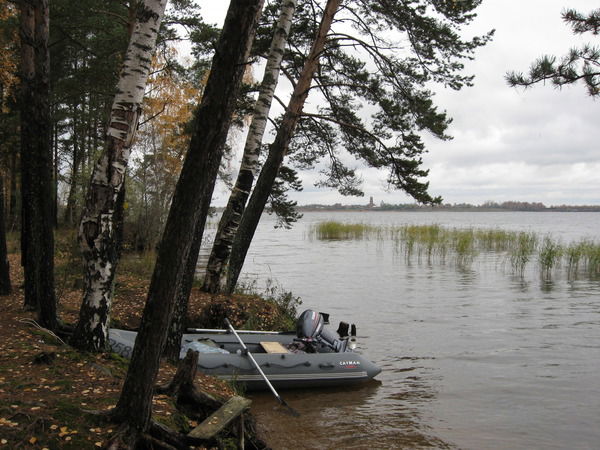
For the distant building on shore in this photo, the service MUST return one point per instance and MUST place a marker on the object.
(371, 204)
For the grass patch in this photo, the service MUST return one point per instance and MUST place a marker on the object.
(140, 265)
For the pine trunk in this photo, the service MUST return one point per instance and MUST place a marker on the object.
(97, 227)
(28, 129)
(236, 204)
(36, 165)
(69, 215)
(5, 287)
(13, 209)
(55, 168)
(176, 329)
(212, 121)
(277, 151)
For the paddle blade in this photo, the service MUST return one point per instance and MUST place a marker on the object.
(288, 409)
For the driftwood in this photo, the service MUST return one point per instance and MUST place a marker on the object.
(221, 418)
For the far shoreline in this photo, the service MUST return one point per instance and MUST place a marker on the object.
(513, 207)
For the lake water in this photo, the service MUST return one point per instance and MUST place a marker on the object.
(473, 356)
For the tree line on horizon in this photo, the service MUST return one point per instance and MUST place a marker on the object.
(104, 130)
(487, 206)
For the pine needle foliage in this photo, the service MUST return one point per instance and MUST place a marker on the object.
(580, 64)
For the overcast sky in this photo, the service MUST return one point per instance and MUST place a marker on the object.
(539, 144)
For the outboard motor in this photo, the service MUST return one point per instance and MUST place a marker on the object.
(311, 328)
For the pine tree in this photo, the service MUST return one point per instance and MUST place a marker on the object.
(37, 236)
(371, 64)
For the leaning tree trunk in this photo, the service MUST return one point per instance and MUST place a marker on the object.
(277, 151)
(237, 200)
(5, 287)
(97, 226)
(196, 182)
(36, 164)
(176, 328)
(232, 214)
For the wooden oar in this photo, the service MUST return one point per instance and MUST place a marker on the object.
(220, 330)
(249, 355)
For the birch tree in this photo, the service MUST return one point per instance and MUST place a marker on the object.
(97, 227)
(232, 214)
(186, 219)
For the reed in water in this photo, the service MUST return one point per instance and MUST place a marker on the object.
(429, 242)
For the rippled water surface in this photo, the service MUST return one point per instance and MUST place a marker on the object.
(472, 356)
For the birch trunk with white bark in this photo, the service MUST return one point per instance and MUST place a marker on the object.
(277, 151)
(232, 214)
(97, 226)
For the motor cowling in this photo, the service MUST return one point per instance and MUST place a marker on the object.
(309, 324)
(310, 327)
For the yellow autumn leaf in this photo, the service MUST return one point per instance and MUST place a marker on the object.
(32, 440)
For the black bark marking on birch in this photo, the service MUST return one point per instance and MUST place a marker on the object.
(145, 14)
(143, 47)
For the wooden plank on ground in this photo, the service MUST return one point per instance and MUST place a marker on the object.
(221, 418)
(274, 347)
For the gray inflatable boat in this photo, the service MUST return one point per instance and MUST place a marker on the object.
(312, 356)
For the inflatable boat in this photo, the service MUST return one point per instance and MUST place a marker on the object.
(313, 355)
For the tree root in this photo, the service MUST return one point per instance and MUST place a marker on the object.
(188, 398)
(125, 438)
(158, 437)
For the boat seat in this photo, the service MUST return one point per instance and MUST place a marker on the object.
(273, 347)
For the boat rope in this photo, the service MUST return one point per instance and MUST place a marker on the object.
(45, 330)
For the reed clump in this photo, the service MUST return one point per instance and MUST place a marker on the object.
(591, 257)
(495, 239)
(464, 244)
(550, 255)
(337, 230)
(522, 249)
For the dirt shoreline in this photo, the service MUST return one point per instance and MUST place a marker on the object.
(47, 387)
